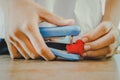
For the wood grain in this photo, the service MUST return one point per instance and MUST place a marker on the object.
(59, 70)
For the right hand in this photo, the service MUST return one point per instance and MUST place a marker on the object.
(22, 18)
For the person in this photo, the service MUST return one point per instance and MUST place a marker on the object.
(22, 19)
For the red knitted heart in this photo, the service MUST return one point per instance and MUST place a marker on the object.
(76, 48)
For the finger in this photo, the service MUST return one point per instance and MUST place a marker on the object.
(97, 53)
(100, 31)
(37, 40)
(47, 16)
(13, 51)
(22, 39)
(100, 43)
(19, 48)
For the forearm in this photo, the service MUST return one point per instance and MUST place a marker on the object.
(111, 11)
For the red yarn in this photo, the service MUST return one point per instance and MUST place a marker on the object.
(76, 48)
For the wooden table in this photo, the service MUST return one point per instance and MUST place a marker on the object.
(59, 70)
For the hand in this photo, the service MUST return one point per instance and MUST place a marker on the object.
(22, 18)
(98, 41)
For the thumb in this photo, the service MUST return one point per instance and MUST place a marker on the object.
(49, 17)
(98, 32)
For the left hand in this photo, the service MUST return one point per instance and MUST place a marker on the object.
(98, 41)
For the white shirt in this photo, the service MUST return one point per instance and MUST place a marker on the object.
(1, 24)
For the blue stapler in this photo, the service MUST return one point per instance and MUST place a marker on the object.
(48, 32)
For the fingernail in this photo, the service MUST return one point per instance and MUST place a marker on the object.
(69, 21)
(84, 39)
(84, 54)
(87, 47)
